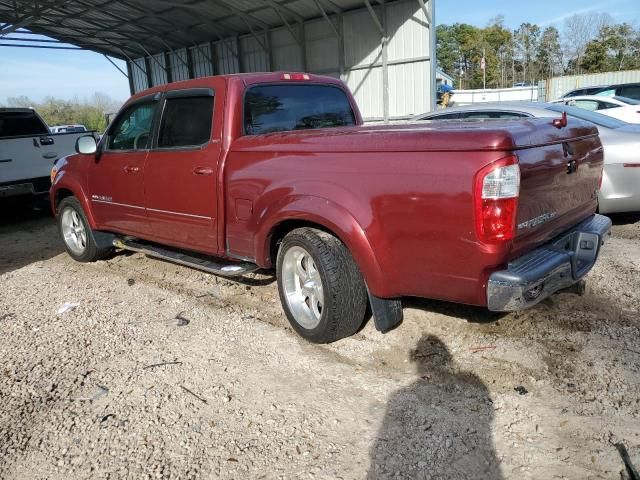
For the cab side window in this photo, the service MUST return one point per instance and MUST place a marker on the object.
(186, 122)
(132, 131)
(607, 106)
(590, 105)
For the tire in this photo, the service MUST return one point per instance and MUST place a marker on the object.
(321, 288)
(78, 238)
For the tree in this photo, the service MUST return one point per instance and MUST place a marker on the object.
(579, 30)
(497, 42)
(595, 58)
(527, 40)
(54, 111)
(590, 42)
(615, 48)
(549, 54)
(448, 49)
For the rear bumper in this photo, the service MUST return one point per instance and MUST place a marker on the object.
(32, 186)
(552, 267)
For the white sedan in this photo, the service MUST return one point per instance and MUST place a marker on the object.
(622, 108)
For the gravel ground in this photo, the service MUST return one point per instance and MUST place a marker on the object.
(165, 372)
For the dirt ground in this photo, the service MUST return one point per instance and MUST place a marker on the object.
(165, 372)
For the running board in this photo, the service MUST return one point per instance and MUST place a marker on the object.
(188, 260)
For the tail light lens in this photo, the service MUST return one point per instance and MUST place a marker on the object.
(295, 76)
(497, 188)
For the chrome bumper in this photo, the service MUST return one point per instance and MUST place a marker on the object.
(552, 267)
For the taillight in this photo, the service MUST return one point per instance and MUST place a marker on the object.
(497, 187)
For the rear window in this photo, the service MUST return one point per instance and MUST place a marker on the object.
(186, 122)
(71, 130)
(280, 108)
(14, 124)
(632, 91)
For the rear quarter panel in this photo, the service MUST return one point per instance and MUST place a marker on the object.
(415, 209)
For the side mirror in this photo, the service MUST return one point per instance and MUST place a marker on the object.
(86, 145)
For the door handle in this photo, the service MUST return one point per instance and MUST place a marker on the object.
(203, 171)
(46, 141)
(131, 169)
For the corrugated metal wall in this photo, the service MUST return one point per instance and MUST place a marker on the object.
(558, 86)
(351, 47)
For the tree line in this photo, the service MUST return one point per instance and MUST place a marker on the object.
(588, 43)
(90, 112)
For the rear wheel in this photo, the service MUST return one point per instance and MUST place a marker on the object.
(321, 288)
(78, 238)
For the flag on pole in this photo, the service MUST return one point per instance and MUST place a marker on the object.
(483, 64)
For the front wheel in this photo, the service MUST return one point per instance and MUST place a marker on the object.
(321, 288)
(78, 238)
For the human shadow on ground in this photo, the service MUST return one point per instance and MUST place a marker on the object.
(439, 426)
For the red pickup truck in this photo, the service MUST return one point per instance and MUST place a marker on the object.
(276, 171)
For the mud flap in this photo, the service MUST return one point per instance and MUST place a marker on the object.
(387, 313)
(103, 240)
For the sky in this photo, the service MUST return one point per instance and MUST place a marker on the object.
(541, 12)
(78, 74)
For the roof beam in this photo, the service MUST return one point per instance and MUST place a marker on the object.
(48, 47)
(375, 18)
(326, 17)
(276, 8)
(116, 65)
(425, 10)
(31, 17)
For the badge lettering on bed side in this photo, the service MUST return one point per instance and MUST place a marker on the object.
(101, 198)
(534, 222)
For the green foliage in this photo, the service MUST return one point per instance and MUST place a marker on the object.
(590, 43)
(617, 47)
(90, 112)
(549, 55)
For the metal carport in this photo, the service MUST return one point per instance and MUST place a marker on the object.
(384, 50)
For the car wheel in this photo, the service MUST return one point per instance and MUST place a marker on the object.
(321, 288)
(78, 238)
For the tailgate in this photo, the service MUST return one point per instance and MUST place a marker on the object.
(560, 175)
(25, 158)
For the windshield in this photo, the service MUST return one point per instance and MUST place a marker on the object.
(594, 117)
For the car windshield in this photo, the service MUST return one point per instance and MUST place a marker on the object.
(594, 117)
(627, 100)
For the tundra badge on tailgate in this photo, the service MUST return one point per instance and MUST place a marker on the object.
(534, 222)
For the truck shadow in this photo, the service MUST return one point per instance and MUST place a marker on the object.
(27, 235)
(429, 431)
(466, 312)
(624, 218)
